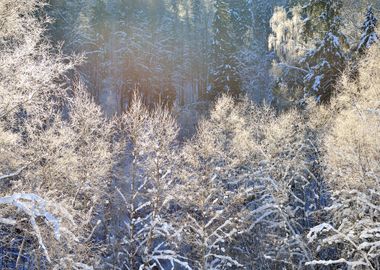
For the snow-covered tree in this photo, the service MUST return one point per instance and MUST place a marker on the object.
(322, 16)
(151, 236)
(369, 35)
(325, 65)
(225, 76)
(241, 16)
(213, 188)
(353, 13)
(286, 36)
(288, 191)
(55, 139)
(249, 184)
(287, 41)
(201, 19)
(326, 61)
(68, 25)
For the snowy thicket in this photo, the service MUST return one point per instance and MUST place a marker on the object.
(214, 178)
(55, 148)
(221, 200)
(255, 187)
(150, 233)
(351, 145)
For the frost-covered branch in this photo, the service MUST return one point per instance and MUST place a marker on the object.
(11, 175)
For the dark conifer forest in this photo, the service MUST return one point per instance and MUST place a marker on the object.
(189, 134)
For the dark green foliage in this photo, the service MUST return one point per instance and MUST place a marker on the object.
(322, 16)
(241, 16)
(230, 26)
(100, 18)
(326, 62)
(369, 35)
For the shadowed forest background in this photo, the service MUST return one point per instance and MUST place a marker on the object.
(189, 134)
(173, 52)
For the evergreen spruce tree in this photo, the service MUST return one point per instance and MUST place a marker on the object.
(98, 33)
(327, 60)
(196, 9)
(369, 35)
(321, 16)
(67, 24)
(99, 19)
(129, 8)
(241, 16)
(225, 76)
(200, 47)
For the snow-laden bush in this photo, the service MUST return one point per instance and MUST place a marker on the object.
(352, 152)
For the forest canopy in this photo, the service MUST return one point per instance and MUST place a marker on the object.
(189, 134)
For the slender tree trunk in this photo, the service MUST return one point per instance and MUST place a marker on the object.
(20, 253)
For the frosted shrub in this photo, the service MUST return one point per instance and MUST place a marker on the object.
(352, 152)
(56, 148)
